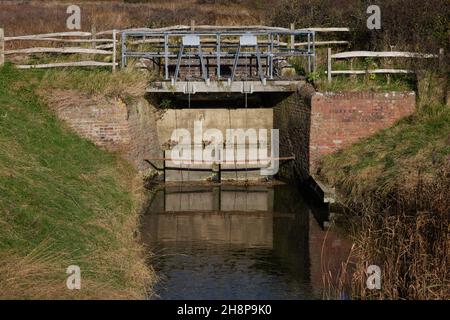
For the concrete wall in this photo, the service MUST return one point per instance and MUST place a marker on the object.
(340, 119)
(127, 128)
(222, 119)
(212, 118)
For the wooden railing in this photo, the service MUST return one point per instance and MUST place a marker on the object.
(372, 54)
(105, 43)
(99, 44)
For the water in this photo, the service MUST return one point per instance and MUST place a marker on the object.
(233, 242)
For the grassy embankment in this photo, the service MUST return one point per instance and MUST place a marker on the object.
(395, 188)
(63, 201)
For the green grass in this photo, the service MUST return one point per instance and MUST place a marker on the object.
(393, 158)
(370, 82)
(60, 197)
(374, 83)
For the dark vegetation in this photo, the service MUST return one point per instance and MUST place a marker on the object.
(405, 24)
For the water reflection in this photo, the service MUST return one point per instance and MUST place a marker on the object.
(233, 242)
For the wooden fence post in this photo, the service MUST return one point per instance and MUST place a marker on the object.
(292, 37)
(329, 64)
(192, 24)
(2, 46)
(93, 36)
(441, 57)
(353, 75)
(114, 55)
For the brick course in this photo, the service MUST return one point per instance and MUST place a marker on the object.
(292, 117)
(126, 128)
(340, 119)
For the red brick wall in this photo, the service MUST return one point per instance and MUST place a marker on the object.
(292, 117)
(127, 128)
(340, 119)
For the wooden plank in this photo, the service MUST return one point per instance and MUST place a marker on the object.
(381, 54)
(159, 40)
(234, 28)
(231, 28)
(237, 27)
(222, 161)
(173, 28)
(93, 37)
(114, 55)
(50, 35)
(441, 58)
(105, 46)
(106, 32)
(333, 29)
(67, 40)
(291, 46)
(321, 43)
(57, 50)
(329, 71)
(374, 71)
(211, 27)
(67, 64)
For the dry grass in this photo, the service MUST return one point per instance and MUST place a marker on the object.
(394, 187)
(409, 240)
(125, 82)
(32, 17)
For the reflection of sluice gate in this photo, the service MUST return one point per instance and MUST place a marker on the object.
(234, 216)
(221, 214)
(225, 199)
(215, 228)
(273, 222)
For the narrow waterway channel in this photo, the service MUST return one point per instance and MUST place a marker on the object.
(234, 242)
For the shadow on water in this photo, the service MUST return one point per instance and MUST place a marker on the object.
(230, 242)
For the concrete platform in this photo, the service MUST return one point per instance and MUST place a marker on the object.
(224, 87)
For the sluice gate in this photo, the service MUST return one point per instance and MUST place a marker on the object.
(214, 59)
(216, 85)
